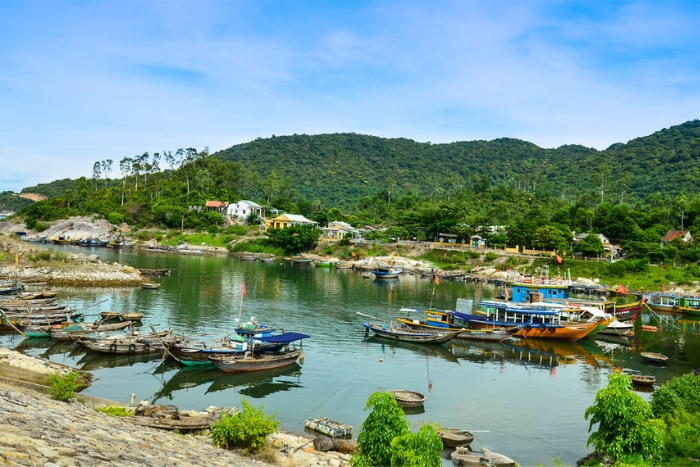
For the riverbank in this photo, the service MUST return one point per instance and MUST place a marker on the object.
(36, 430)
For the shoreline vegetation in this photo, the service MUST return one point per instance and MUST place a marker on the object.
(59, 268)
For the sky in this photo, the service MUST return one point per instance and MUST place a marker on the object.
(84, 81)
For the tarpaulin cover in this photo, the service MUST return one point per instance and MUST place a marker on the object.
(283, 338)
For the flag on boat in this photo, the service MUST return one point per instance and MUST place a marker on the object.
(621, 289)
(436, 279)
(663, 289)
(507, 296)
(559, 260)
(244, 288)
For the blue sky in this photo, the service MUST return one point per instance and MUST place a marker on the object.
(82, 81)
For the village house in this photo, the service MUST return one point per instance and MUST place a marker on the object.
(684, 235)
(244, 208)
(337, 230)
(609, 248)
(218, 206)
(287, 220)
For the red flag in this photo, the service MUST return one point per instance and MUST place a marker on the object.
(559, 260)
(436, 279)
(244, 288)
(621, 289)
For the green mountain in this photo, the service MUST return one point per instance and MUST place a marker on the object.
(338, 169)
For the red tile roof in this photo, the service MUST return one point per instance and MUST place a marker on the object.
(215, 204)
(674, 234)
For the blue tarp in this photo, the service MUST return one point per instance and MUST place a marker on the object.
(283, 338)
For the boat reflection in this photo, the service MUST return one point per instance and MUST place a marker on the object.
(92, 361)
(187, 377)
(258, 384)
(390, 348)
(558, 352)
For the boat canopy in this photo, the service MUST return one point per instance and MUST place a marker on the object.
(284, 338)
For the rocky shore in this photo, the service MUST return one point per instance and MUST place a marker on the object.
(36, 430)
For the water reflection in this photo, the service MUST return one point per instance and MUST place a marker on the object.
(389, 349)
(92, 361)
(258, 384)
(187, 377)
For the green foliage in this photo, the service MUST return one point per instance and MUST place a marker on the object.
(30, 222)
(625, 424)
(10, 201)
(420, 449)
(294, 239)
(115, 411)
(115, 218)
(590, 246)
(385, 422)
(489, 257)
(683, 435)
(235, 230)
(681, 393)
(41, 226)
(245, 431)
(63, 388)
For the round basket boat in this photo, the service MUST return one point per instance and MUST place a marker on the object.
(408, 398)
(654, 357)
(643, 380)
(454, 437)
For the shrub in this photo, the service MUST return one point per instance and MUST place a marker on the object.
(115, 218)
(490, 257)
(681, 393)
(115, 411)
(235, 230)
(245, 431)
(420, 449)
(63, 388)
(30, 222)
(625, 423)
(385, 422)
(41, 226)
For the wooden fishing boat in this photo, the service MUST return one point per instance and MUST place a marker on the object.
(387, 272)
(654, 357)
(121, 244)
(150, 286)
(643, 380)
(407, 398)
(126, 346)
(110, 315)
(406, 334)
(256, 362)
(91, 241)
(454, 437)
(302, 260)
(249, 258)
(69, 331)
(133, 316)
(323, 263)
(271, 259)
(155, 272)
(181, 423)
(462, 457)
(440, 320)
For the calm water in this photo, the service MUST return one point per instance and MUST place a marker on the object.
(525, 399)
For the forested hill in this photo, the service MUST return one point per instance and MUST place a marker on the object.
(338, 169)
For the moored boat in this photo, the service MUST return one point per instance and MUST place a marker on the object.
(267, 361)
(643, 380)
(406, 398)
(654, 357)
(387, 272)
(454, 437)
(406, 334)
(462, 457)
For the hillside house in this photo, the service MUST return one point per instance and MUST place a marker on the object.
(610, 249)
(684, 235)
(245, 208)
(337, 230)
(287, 220)
(218, 206)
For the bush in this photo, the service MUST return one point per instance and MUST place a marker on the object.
(235, 230)
(490, 257)
(30, 222)
(681, 393)
(115, 411)
(625, 426)
(385, 422)
(41, 226)
(245, 431)
(63, 388)
(115, 218)
(420, 449)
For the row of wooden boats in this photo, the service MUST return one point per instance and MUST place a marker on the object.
(676, 303)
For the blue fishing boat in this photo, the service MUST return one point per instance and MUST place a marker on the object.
(387, 272)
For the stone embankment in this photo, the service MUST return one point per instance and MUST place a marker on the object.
(36, 430)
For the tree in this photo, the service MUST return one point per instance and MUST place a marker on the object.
(106, 166)
(625, 424)
(623, 183)
(385, 422)
(601, 178)
(295, 238)
(590, 246)
(681, 204)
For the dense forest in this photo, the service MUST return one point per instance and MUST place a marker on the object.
(632, 193)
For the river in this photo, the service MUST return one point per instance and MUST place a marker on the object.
(525, 399)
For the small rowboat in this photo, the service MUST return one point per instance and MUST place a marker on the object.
(408, 398)
(463, 458)
(131, 316)
(643, 380)
(454, 437)
(150, 285)
(110, 315)
(649, 328)
(654, 357)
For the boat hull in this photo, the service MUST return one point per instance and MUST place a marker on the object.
(410, 335)
(264, 362)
